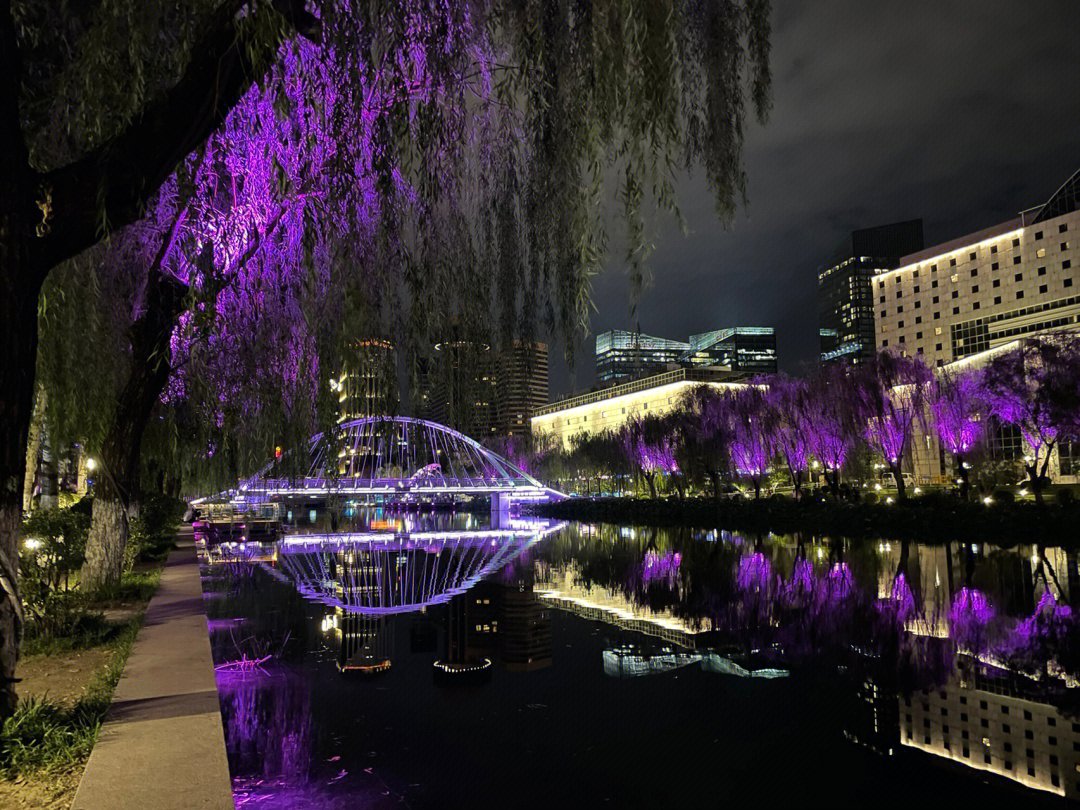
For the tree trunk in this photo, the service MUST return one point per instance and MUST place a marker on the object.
(901, 490)
(714, 476)
(118, 483)
(834, 482)
(651, 478)
(33, 447)
(965, 479)
(49, 497)
(19, 288)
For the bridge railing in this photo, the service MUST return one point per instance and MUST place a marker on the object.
(382, 484)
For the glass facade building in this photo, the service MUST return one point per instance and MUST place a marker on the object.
(623, 356)
(846, 292)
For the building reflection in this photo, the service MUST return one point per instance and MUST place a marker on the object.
(564, 588)
(364, 643)
(991, 720)
(499, 620)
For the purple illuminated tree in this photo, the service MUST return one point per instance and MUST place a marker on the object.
(830, 421)
(891, 395)
(499, 119)
(1036, 388)
(955, 400)
(751, 442)
(706, 432)
(786, 406)
(648, 444)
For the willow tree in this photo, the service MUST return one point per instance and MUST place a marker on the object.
(467, 143)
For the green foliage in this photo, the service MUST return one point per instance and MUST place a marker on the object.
(54, 542)
(1004, 496)
(45, 736)
(1065, 496)
(152, 531)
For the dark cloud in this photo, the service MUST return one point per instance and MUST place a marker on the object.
(962, 113)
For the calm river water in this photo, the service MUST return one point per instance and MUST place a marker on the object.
(442, 662)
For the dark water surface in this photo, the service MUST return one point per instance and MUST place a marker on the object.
(438, 662)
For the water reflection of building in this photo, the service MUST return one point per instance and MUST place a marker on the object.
(564, 589)
(363, 642)
(935, 574)
(996, 724)
(505, 621)
(629, 661)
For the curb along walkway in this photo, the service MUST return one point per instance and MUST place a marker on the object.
(161, 746)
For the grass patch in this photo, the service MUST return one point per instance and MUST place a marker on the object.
(90, 629)
(45, 737)
(134, 586)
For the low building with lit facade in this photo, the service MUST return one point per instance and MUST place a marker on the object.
(845, 287)
(611, 407)
(994, 724)
(622, 356)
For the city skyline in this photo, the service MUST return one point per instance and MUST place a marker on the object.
(939, 122)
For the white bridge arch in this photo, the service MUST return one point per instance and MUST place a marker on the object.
(398, 455)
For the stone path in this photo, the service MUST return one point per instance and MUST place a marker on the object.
(162, 746)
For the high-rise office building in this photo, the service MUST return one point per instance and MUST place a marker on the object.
(457, 388)
(622, 356)
(521, 386)
(368, 382)
(845, 287)
(471, 387)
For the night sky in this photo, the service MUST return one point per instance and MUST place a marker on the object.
(962, 113)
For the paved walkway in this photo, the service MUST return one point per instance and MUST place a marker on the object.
(161, 746)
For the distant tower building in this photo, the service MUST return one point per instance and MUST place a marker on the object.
(622, 356)
(846, 291)
(368, 382)
(458, 387)
(742, 348)
(521, 382)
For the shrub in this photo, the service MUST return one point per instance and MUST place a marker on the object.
(871, 497)
(54, 546)
(1004, 496)
(1066, 497)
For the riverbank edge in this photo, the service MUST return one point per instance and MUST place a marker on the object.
(1005, 524)
(162, 744)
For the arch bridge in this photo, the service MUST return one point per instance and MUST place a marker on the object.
(398, 457)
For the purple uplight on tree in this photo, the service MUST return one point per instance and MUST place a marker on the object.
(648, 445)
(786, 404)
(750, 441)
(969, 617)
(890, 393)
(956, 404)
(1036, 388)
(829, 421)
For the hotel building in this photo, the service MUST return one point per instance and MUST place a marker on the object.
(964, 299)
(983, 290)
